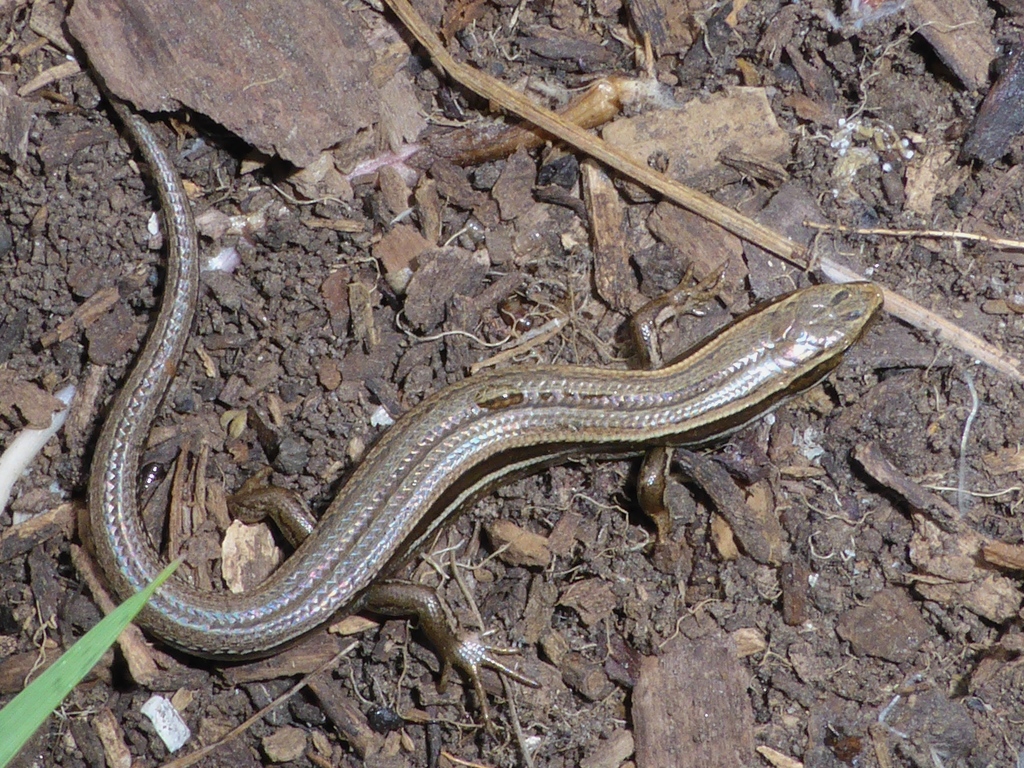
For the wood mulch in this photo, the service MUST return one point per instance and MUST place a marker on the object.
(841, 584)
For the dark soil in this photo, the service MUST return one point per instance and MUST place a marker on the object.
(840, 631)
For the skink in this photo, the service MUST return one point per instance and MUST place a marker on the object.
(442, 453)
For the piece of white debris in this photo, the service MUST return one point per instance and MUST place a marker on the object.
(23, 448)
(170, 726)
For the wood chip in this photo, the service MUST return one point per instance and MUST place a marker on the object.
(694, 135)
(946, 553)
(84, 315)
(1000, 118)
(779, 760)
(614, 277)
(749, 641)
(1004, 555)
(334, 291)
(610, 752)
(113, 335)
(758, 531)
(441, 274)
(34, 405)
(934, 175)
(428, 204)
(585, 676)
(518, 546)
(950, 572)
(583, 48)
(137, 651)
(794, 581)
(361, 301)
(691, 708)
(960, 31)
(112, 737)
(398, 251)
(592, 599)
(16, 117)
(871, 458)
(513, 191)
(284, 745)
(321, 179)
(540, 609)
(725, 543)
(24, 537)
(562, 538)
(394, 190)
(249, 556)
(401, 116)
(345, 714)
(300, 659)
(704, 246)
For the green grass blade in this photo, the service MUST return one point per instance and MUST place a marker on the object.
(30, 708)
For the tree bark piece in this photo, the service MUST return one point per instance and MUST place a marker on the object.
(690, 707)
(289, 78)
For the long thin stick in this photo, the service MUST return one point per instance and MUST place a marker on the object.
(521, 105)
(736, 223)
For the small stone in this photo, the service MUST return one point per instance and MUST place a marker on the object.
(292, 456)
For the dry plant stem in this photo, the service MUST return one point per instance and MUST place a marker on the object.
(999, 243)
(464, 763)
(578, 138)
(517, 728)
(741, 226)
(943, 330)
(596, 106)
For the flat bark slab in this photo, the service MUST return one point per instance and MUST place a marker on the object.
(291, 79)
(691, 708)
(960, 32)
(689, 139)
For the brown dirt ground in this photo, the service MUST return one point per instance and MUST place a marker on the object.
(75, 213)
